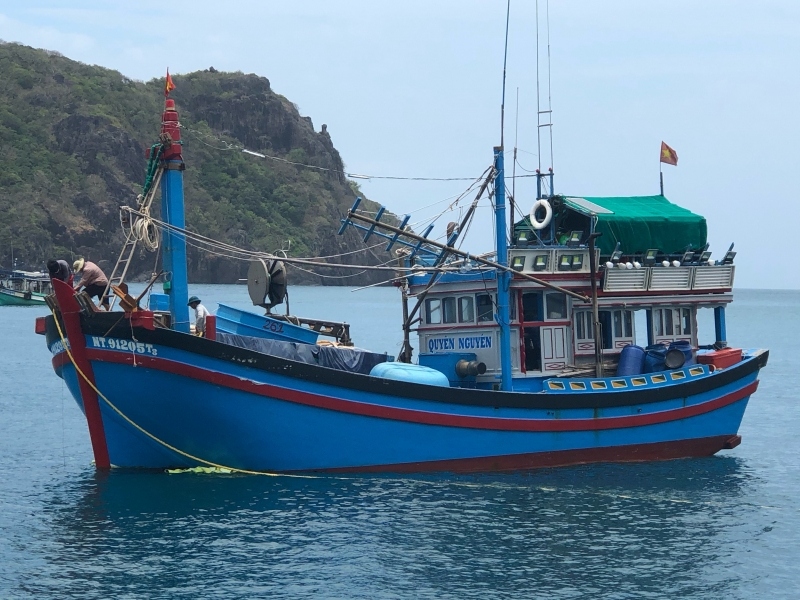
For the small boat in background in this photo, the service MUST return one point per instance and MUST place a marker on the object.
(24, 288)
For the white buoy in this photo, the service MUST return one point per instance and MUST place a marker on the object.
(664, 263)
(609, 265)
(637, 265)
(676, 263)
(628, 265)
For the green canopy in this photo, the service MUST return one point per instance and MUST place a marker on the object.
(639, 223)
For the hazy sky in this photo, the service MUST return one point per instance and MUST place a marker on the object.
(413, 88)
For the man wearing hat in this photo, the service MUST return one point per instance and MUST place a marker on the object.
(93, 280)
(201, 312)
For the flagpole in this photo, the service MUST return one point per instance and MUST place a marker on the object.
(661, 177)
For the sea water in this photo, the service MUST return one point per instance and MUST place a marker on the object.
(727, 526)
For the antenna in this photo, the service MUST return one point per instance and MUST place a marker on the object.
(512, 198)
(505, 61)
(541, 120)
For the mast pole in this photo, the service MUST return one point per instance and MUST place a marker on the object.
(503, 276)
(176, 285)
(596, 328)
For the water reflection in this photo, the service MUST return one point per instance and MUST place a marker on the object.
(605, 529)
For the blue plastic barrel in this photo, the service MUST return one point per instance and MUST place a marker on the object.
(631, 361)
(686, 348)
(654, 359)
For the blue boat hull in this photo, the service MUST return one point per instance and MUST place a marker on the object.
(170, 400)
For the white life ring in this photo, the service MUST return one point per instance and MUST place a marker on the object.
(548, 214)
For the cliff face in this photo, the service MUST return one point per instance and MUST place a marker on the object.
(72, 144)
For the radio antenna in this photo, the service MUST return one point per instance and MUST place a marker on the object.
(505, 60)
(544, 118)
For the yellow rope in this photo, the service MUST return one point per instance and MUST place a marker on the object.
(147, 433)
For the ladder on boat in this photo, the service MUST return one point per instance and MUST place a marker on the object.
(131, 241)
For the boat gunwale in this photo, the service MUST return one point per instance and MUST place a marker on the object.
(115, 325)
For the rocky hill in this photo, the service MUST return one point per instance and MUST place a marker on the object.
(72, 146)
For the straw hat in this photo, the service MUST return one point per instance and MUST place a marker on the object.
(77, 266)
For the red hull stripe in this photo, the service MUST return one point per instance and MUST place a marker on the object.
(411, 415)
(561, 458)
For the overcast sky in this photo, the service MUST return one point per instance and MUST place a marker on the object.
(414, 88)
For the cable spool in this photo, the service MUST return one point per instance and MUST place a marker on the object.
(266, 283)
(543, 204)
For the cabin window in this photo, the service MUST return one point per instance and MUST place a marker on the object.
(532, 307)
(466, 309)
(556, 305)
(485, 307)
(672, 322)
(433, 309)
(686, 320)
(616, 327)
(449, 310)
(583, 325)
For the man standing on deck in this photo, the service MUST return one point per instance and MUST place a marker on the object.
(201, 312)
(93, 280)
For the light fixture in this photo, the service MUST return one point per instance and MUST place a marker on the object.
(577, 262)
(728, 258)
(650, 257)
(688, 257)
(574, 239)
(565, 262)
(524, 237)
(616, 255)
(540, 262)
(705, 256)
(518, 263)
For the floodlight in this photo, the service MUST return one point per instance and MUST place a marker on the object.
(574, 239)
(518, 263)
(650, 257)
(540, 262)
(565, 262)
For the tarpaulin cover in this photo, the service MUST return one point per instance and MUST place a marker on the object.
(639, 223)
(352, 360)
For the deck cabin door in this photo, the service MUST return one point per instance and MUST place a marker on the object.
(554, 347)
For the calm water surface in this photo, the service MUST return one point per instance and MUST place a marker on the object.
(721, 527)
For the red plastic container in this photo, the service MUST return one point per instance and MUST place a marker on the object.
(721, 359)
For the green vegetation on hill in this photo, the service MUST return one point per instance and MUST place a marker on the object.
(72, 144)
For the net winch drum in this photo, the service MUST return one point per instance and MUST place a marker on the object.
(266, 283)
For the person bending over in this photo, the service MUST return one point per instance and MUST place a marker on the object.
(93, 281)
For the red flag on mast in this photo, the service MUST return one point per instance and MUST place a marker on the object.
(668, 155)
(169, 85)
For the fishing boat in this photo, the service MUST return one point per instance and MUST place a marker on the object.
(24, 288)
(528, 354)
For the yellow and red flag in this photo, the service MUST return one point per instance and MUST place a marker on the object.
(169, 85)
(668, 155)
